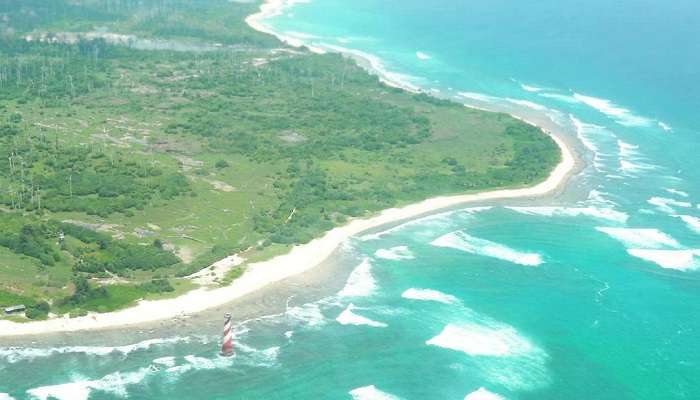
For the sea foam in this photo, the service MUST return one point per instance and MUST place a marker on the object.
(480, 340)
(677, 192)
(665, 127)
(603, 213)
(530, 88)
(395, 253)
(693, 223)
(631, 161)
(115, 383)
(483, 394)
(642, 238)
(422, 56)
(309, 314)
(371, 393)
(682, 260)
(360, 283)
(470, 244)
(429, 295)
(666, 205)
(621, 115)
(15, 354)
(349, 317)
(5, 396)
(430, 223)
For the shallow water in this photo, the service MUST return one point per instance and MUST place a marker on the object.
(595, 295)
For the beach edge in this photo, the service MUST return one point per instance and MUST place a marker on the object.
(300, 258)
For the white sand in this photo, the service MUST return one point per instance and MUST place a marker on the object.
(300, 259)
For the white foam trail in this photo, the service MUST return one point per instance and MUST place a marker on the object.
(114, 383)
(166, 361)
(665, 127)
(630, 159)
(597, 197)
(643, 238)
(5, 396)
(530, 88)
(471, 244)
(693, 223)
(665, 205)
(480, 340)
(201, 363)
(395, 253)
(682, 260)
(15, 354)
(560, 97)
(621, 115)
(581, 129)
(348, 317)
(360, 283)
(310, 314)
(607, 214)
(376, 64)
(677, 192)
(422, 56)
(429, 295)
(483, 394)
(586, 133)
(440, 220)
(370, 393)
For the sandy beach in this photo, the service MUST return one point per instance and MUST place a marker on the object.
(300, 259)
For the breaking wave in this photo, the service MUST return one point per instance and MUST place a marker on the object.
(631, 160)
(429, 295)
(599, 213)
(621, 115)
(682, 260)
(666, 205)
(370, 393)
(693, 223)
(348, 317)
(15, 354)
(461, 241)
(480, 340)
(115, 383)
(677, 192)
(430, 223)
(501, 354)
(360, 283)
(309, 314)
(483, 394)
(395, 253)
(642, 238)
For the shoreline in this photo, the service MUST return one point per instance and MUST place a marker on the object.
(301, 258)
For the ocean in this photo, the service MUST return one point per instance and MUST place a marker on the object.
(590, 294)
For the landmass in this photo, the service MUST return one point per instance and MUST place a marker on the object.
(168, 158)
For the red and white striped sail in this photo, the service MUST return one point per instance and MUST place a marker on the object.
(227, 346)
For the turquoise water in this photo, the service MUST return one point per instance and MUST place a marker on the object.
(594, 295)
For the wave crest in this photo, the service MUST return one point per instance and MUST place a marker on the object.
(360, 283)
(349, 317)
(482, 247)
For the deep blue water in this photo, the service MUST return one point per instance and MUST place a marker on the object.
(592, 296)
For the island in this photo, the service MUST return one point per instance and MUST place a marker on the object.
(151, 152)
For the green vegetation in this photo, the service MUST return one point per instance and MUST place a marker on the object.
(142, 141)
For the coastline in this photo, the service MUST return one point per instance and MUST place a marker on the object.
(300, 258)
